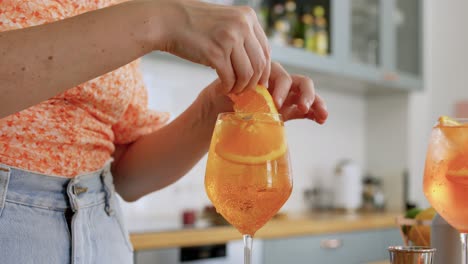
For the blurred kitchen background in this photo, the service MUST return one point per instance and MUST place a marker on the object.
(386, 68)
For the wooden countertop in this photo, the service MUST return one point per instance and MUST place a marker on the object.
(299, 225)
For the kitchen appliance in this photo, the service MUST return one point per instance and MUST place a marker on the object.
(347, 186)
(373, 198)
(318, 198)
(190, 254)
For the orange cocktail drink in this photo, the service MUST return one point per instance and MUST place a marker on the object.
(247, 176)
(446, 175)
(446, 172)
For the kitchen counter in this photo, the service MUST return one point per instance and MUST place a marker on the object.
(289, 226)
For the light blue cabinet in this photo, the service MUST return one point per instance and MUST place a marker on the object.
(375, 44)
(349, 248)
(384, 42)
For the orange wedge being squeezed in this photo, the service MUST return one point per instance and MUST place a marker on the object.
(255, 134)
(256, 100)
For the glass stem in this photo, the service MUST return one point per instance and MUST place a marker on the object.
(247, 249)
(464, 248)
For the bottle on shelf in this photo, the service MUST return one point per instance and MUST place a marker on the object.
(321, 31)
(281, 26)
(308, 29)
(296, 38)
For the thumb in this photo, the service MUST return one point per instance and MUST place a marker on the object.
(216, 97)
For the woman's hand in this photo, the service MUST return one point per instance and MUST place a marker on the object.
(228, 39)
(294, 96)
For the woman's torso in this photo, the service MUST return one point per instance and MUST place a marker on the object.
(73, 132)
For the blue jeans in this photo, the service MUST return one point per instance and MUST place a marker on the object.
(55, 220)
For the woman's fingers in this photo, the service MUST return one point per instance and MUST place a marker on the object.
(305, 86)
(283, 84)
(263, 40)
(257, 60)
(291, 112)
(319, 110)
(255, 45)
(296, 105)
(291, 98)
(226, 74)
(243, 69)
(279, 84)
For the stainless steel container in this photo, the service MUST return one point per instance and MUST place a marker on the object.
(411, 255)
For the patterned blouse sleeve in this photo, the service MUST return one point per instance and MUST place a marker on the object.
(138, 119)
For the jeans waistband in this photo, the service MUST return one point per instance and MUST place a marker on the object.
(55, 193)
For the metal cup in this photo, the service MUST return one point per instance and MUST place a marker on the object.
(411, 255)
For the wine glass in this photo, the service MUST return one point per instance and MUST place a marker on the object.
(248, 174)
(446, 175)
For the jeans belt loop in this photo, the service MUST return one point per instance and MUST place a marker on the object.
(106, 179)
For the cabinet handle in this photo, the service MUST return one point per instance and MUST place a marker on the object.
(331, 243)
(390, 76)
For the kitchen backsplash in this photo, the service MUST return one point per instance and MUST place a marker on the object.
(314, 149)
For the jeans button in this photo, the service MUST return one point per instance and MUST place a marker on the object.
(77, 190)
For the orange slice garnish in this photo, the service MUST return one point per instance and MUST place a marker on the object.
(252, 139)
(256, 100)
(252, 136)
(454, 133)
(447, 121)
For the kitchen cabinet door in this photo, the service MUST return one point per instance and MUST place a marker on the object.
(375, 43)
(234, 255)
(408, 52)
(384, 42)
(350, 248)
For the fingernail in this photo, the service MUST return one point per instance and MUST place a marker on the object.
(280, 102)
(307, 106)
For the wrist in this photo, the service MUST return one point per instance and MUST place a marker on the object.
(159, 23)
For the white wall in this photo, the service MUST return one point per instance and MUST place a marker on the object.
(386, 144)
(314, 149)
(446, 71)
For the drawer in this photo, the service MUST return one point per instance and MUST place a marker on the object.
(350, 248)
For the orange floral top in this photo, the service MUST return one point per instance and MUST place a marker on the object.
(73, 132)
